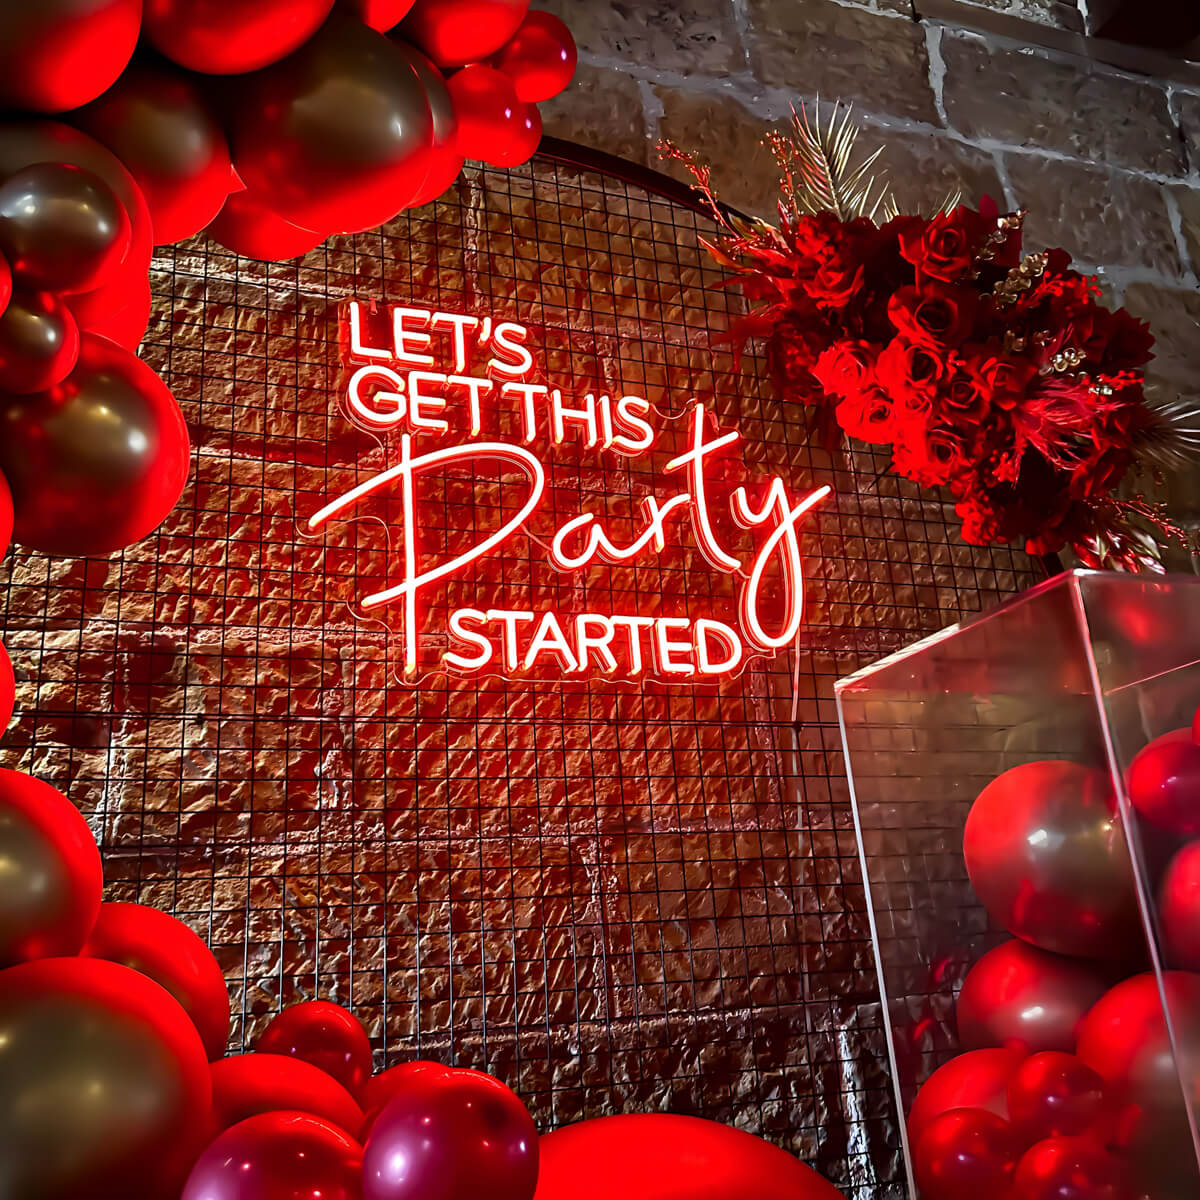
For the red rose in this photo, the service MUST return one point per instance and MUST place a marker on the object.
(911, 373)
(1004, 380)
(870, 416)
(929, 457)
(980, 521)
(947, 247)
(835, 282)
(934, 314)
(844, 369)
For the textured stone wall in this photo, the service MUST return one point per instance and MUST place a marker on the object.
(1107, 162)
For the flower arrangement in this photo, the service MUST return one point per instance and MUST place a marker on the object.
(997, 376)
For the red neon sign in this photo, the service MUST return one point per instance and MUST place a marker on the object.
(394, 386)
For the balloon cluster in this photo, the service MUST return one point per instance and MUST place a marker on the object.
(1069, 1086)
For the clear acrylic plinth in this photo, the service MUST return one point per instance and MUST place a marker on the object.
(1068, 682)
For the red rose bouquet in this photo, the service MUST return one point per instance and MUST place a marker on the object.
(997, 376)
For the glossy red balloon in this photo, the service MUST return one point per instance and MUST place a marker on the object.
(1179, 908)
(1070, 1168)
(247, 1084)
(443, 167)
(333, 138)
(39, 342)
(540, 58)
(159, 124)
(278, 1156)
(977, 1079)
(663, 1156)
(1055, 1094)
(520, 138)
(50, 886)
(127, 324)
(456, 32)
(486, 104)
(249, 228)
(8, 689)
(1124, 1039)
(966, 1152)
(6, 516)
(1048, 859)
(382, 1087)
(58, 54)
(1164, 782)
(5, 283)
(380, 15)
(97, 462)
(1196, 727)
(454, 1135)
(103, 1083)
(1017, 995)
(167, 951)
(230, 37)
(326, 1035)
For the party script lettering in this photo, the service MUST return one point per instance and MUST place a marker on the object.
(434, 376)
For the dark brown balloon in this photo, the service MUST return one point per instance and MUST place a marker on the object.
(332, 138)
(442, 160)
(1047, 858)
(1028, 999)
(97, 462)
(62, 228)
(39, 342)
(158, 123)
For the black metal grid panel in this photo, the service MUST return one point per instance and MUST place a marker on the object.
(614, 897)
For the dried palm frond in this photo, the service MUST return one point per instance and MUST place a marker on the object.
(1171, 441)
(820, 170)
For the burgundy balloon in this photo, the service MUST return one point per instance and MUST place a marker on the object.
(249, 228)
(966, 1152)
(278, 1156)
(164, 949)
(1164, 782)
(1054, 1094)
(1070, 1168)
(39, 343)
(1047, 858)
(326, 1035)
(97, 462)
(456, 32)
(8, 689)
(1019, 996)
(382, 1087)
(230, 37)
(50, 886)
(455, 1135)
(247, 1084)
(159, 124)
(105, 1083)
(381, 15)
(333, 138)
(58, 54)
(977, 1079)
(62, 227)
(540, 58)
(1179, 908)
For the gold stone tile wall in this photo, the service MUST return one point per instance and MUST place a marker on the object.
(614, 897)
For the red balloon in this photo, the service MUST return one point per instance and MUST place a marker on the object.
(5, 283)
(1017, 995)
(8, 689)
(519, 141)
(247, 1084)
(1069, 1168)
(485, 104)
(326, 1035)
(39, 343)
(1124, 1039)
(1055, 1094)
(230, 37)
(382, 1087)
(50, 887)
(57, 54)
(158, 123)
(977, 1079)
(126, 325)
(97, 462)
(1196, 727)
(1048, 859)
(278, 1156)
(1164, 782)
(6, 516)
(165, 949)
(662, 1156)
(966, 1152)
(104, 1082)
(1179, 908)
(540, 58)
(453, 1135)
(456, 32)
(380, 15)
(443, 168)
(251, 229)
